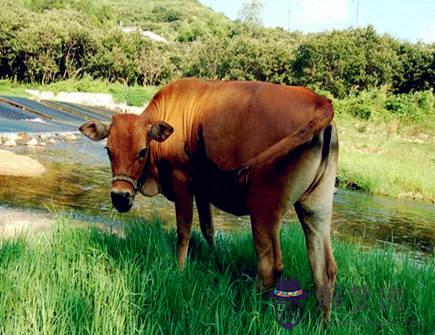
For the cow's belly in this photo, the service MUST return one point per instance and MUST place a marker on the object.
(231, 200)
(221, 189)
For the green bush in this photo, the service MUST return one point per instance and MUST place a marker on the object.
(411, 107)
(379, 104)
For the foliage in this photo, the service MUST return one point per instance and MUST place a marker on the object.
(44, 41)
(345, 61)
(379, 104)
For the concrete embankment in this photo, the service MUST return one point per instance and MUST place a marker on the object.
(102, 100)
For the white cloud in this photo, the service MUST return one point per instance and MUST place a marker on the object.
(319, 13)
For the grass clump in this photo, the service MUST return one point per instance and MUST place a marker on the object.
(82, 280)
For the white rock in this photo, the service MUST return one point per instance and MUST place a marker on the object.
(12, 164)
(51, 141)
(70, 137)
(10, 143)
(33, 142)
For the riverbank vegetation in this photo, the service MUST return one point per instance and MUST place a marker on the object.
(386, 143)
(81, 280)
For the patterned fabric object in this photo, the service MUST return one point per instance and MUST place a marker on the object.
(288, 294)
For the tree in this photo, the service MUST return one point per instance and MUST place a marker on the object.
(250, 12)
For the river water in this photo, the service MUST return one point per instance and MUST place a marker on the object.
(78, 178)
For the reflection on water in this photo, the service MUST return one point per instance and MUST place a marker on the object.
(78, 177)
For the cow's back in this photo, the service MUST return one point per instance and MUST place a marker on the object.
(240, 120)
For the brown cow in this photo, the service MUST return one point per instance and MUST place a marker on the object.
(249, 148)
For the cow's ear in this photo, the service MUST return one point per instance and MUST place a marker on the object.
(160, 131)
(95, 130)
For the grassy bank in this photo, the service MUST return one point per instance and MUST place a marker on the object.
(387, 158)
(135, 95)
(85, 281)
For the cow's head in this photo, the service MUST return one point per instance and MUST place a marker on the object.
(128, 146)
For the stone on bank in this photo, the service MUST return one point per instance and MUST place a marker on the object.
(12, 164)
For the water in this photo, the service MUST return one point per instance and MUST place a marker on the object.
(24, 115)
(78, 177)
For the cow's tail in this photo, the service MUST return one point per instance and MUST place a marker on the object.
(321, 120)
(329, 152)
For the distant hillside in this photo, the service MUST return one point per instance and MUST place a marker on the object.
(45, 41)
(177, 20)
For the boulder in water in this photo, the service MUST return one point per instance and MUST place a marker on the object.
(12, 164)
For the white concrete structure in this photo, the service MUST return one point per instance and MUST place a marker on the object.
(146, 33)
(87, 99)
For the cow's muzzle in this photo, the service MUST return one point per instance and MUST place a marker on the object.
(122, 200)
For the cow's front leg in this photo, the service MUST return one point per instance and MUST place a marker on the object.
(205, 218)
(184, 214)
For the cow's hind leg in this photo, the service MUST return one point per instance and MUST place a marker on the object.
(266, 212)
(205, 218)
(267, 245)
(314, 211)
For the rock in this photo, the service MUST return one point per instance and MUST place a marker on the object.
(33, 142)
(12, 164)
(24, 135)
(51, 141)
(70, 137)
(10, 143)
(23, 138)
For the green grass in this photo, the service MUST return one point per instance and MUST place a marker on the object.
(133, 95)
(81, 280)
(11, 88)
(388, 159)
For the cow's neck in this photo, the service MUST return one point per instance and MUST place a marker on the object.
(181, 111)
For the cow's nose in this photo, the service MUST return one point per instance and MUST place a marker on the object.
(121, 200)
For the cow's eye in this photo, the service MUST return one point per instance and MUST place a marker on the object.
(108, 152)
(142, 153)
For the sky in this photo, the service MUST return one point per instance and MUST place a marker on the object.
(412, 20)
